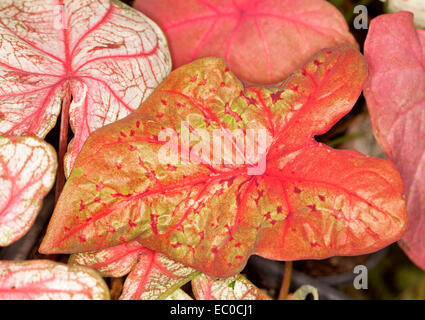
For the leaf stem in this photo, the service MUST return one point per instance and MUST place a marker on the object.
(284, 289)
(63, 143)
(337, 141)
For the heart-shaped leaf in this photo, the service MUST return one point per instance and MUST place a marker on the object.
(107, 56)
(111, 262)
(395, 94)
(292, 198)
(27, 172)
(155, 277)
(48, 280)
(233, 288)
(262, 41)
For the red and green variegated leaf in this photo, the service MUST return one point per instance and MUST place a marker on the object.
(179, 294)
(338, 202)
(303, 292)
(309, 202)
(236, 287)
(27, 172)
(395, 94)
(48, 280)
(111, 262)
(106, 55)
(155, 277)
(262, 41)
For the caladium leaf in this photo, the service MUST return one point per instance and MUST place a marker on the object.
(155, 277)
(27, 172)
(106, 55)
(234, 288)
(111, 262)
(262, 41)
(395, 94)
(48, 280)
(294, 199)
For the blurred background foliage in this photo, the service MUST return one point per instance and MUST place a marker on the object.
(395, 277)
(347, 7)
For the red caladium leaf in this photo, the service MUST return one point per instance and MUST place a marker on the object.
(233, 288)
(395, 93)
(155, 277)
(106, 55)
(48, 280)
(262, 41)
(111, 262)
(293, 198)
(27, 172)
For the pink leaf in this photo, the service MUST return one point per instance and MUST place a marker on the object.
(417, 7)
(395, 93)
(111, 262)
(155, 277)
(262, 41)
(108, 56)
(234, 288)
(47, 280)
(27, 172)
